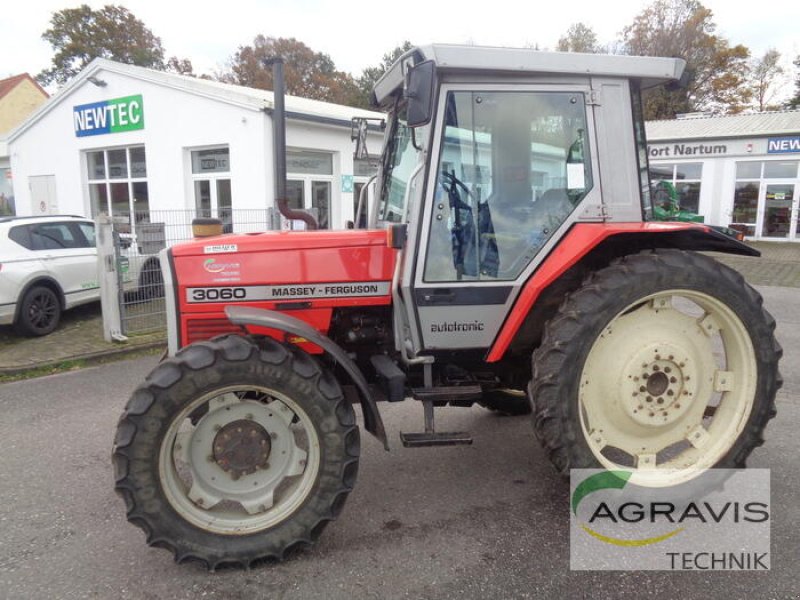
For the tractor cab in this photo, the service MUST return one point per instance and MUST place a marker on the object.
(491, 155)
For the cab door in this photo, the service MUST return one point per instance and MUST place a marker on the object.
(511, 171)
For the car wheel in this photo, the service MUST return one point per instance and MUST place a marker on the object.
(39, 312)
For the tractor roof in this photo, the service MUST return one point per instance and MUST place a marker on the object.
(648, 70)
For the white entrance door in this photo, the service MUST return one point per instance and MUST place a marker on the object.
(43, 194)
(213, 199)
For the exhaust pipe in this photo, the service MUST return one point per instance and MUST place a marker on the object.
(279, 146)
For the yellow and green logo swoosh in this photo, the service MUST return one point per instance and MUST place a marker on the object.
(611, 480)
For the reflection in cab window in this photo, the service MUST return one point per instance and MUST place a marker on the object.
(512, 168)
(401, 156)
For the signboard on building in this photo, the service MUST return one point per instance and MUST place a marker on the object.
(109, 116)
(783, 144)
(695, 150)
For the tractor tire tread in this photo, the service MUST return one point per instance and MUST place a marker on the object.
(138, 440)
(558, 359)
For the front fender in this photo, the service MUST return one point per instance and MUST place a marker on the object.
(243, 316)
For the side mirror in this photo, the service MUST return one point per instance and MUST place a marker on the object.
(419, 90)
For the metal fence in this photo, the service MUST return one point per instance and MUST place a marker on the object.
(140, 291)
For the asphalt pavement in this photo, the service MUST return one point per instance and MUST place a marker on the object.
(483, 521)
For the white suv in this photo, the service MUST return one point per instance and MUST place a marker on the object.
(47, 265)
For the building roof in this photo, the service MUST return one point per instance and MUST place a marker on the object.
(237, 95)
(8, 84)
(786, 122)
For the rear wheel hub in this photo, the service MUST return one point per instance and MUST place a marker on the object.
(242, 447)
(658, 387)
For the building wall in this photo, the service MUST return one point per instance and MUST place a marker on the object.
(19, 103)
(719, 172)
(175, 123)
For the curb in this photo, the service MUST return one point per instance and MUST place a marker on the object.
(89, 358)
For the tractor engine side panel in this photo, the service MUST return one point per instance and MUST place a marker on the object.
(306, 283)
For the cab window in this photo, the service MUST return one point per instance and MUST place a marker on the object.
(513, 166)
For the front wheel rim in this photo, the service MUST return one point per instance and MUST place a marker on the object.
(239, 460)
(668, 387)
(42, 311)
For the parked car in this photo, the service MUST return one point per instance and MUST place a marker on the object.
(49, 264)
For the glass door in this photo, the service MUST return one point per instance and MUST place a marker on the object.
(321, 202)
(778, 221)
(306, 193)
(296, 199)
(212, 185)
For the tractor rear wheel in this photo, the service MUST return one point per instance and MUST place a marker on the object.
(664, 363)
(230, 453)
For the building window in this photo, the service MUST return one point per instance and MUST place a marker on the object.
(765, 199)
(310, 185)
(7, 207)
(683, 178)
(745, 207)
(118, 185)
(211, 178)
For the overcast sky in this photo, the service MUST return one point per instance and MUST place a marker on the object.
(356, 33)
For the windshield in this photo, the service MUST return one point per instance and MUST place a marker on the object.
(399, 159)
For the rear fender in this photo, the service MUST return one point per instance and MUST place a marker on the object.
(259, 317)
(589, 240)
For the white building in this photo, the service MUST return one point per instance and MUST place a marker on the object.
(139, 144)
(739, 170)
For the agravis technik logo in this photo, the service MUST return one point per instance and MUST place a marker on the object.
(718, 520)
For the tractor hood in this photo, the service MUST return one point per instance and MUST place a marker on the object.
(279, 240)
(319, 268)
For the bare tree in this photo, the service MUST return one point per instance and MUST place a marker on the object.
(764, 74)
(578, 38)
(794, 102)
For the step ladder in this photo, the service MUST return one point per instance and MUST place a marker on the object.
(429, 395)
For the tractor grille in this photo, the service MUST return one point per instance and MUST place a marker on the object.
(204, 329)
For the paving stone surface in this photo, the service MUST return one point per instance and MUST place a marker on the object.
(778, 266)
(79, 336)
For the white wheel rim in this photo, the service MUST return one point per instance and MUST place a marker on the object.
(668, 386)
(214, 495)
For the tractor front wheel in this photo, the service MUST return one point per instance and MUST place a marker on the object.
(230, 452)
(663, 363)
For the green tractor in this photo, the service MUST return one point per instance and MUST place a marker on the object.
(667, 207)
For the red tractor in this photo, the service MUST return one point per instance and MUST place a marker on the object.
(510, 261)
